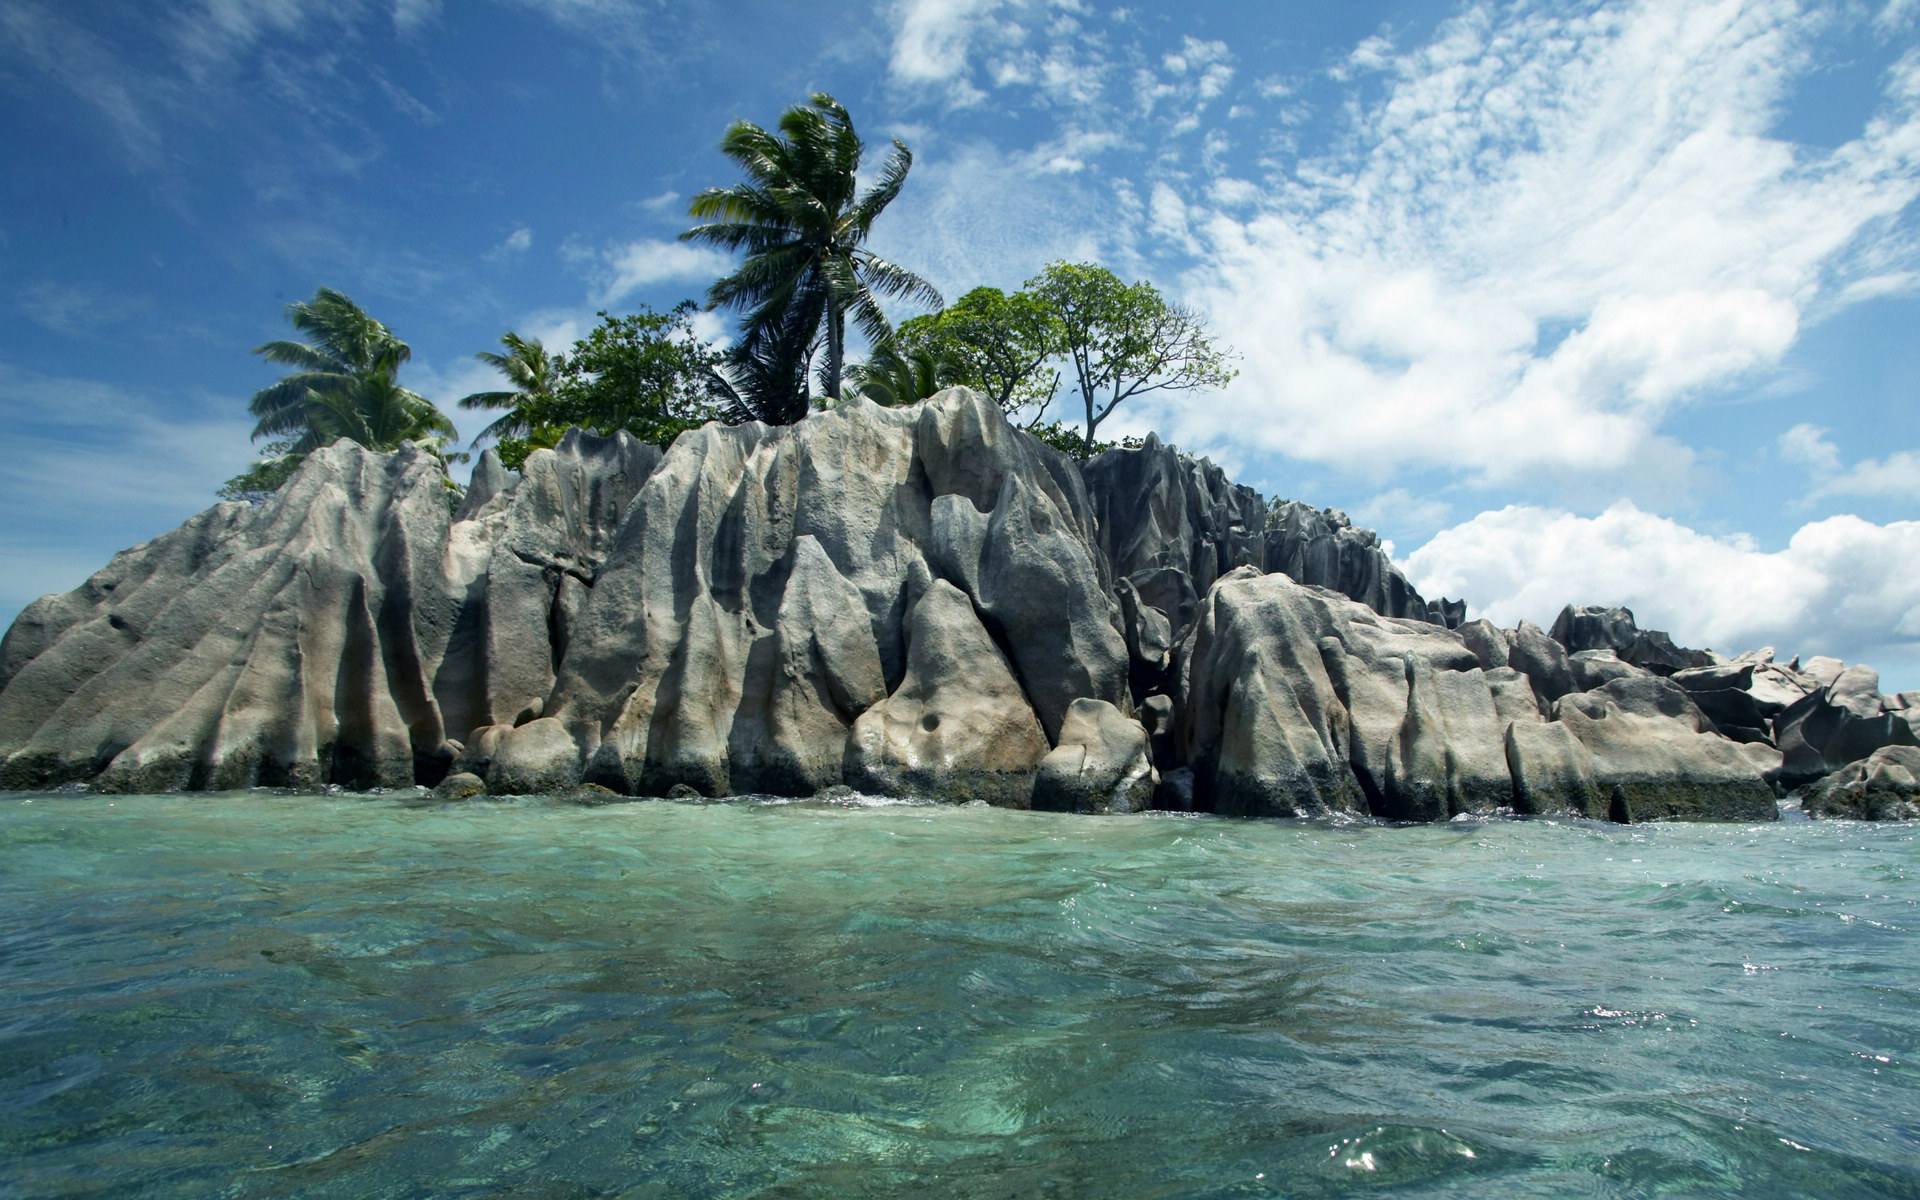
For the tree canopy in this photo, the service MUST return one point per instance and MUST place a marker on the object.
(1124, 340)
(801, 222)
(646, 372)
(344, 385)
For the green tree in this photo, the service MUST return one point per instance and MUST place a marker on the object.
(1124, 340)
(1003, 345)
(645, 372)
(801, 222)
(344, 385)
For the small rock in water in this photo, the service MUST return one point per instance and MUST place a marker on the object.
(461, 786)
(681, 791)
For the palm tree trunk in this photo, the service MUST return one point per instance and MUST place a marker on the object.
(836, 349)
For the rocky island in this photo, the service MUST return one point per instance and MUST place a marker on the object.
(906, 601)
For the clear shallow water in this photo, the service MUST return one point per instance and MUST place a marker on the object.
(253, 995)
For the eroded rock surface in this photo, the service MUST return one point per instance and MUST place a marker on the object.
(1303, 701)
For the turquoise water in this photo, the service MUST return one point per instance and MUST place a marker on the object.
(257, 995)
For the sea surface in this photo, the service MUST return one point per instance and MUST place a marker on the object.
(254, 995)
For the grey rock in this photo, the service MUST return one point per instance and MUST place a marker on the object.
(1101, 764)
(1736, 675)
(490, 478)
(1659, 758)
(1553, 772)
(1543, 660)
(957, 727)
(1324, 548)
(1884, 786)
(730, 638)
(1158, 510)
(1149, 637)
(1595, 627)
(1488, 643)
(1843, 721)
(295, 643)
(532, 759)
(1175, 793)
(1157, 716)
(1597, 668)
(460, 786)
(1822, 670)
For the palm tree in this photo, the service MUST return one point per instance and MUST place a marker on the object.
(344, 384)
(896, 375)
(534, 374)
(765, 378)
(801, 225)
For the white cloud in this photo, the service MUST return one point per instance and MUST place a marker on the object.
(1399, 509)
(1546, 235)
(1842, 586)
(514, 243)
(931, 43)
(1808, 445)
(1895, 477)
(628, 268)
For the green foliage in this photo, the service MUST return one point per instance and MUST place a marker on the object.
(344, 385)
(264, 477)
(646, 372)
(1070, 441)
(801, 222)
(1003, 345)
(902, 371)
(1124, 340)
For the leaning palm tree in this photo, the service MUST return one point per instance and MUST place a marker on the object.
(534, 373)
(344, 384)
(801, 221)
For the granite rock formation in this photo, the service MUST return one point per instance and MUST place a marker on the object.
(918, 600)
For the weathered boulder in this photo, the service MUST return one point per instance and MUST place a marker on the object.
(535, 758)
(1597, 668)
(296, 643)
(958, 726)
(1543, 660)
(1659, 758)
(1487, 641)
(1594, 627)
(1553, 772)
(460, 786)
(1101, 764)
(718, 617)
(1400, 719)
(754, 603)
(1158, 509)
(1884, 786)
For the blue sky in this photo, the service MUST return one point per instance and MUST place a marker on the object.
(1594, 302)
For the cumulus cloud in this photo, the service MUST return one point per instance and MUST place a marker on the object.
(1842, 586)
(1548, 233)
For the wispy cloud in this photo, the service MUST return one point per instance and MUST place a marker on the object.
(638, 264)
(1894, 477)
(83, 455)
(1547, 234)
(74, 310)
